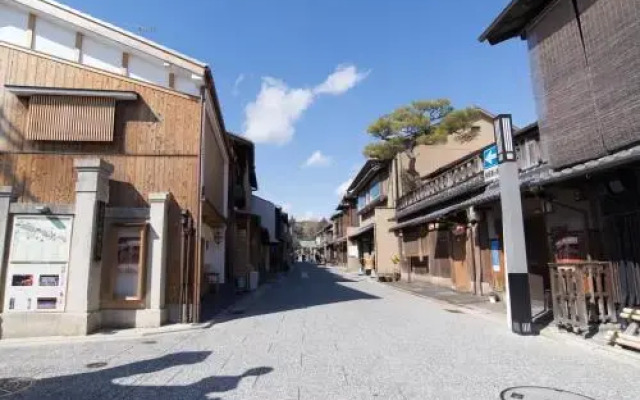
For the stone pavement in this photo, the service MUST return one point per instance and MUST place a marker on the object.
(321, 334)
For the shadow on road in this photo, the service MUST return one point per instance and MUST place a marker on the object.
(99, 384)
(306, 285)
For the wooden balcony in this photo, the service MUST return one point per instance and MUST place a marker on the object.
(464, 170)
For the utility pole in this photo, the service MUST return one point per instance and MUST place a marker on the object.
(515, 252)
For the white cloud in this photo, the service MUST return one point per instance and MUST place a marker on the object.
(342, 79)
(236, 85)
(317, 159)
(271, 117)
(342, 189)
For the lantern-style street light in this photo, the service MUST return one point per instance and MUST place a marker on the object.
(515, 252)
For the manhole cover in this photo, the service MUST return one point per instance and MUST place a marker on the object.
(98, 364)
(540, 393)
(9, 386)
(453, 311)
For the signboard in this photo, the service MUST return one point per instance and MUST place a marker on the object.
(38, 262)
(490, 163)
(352, 251)
(495, 255)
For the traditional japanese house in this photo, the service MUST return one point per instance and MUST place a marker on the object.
(114, 164)
(584, 62)
(450, 230)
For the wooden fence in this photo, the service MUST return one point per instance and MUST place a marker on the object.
(583, 294)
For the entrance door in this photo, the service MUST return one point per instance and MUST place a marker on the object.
(38, 263)
(461, 278)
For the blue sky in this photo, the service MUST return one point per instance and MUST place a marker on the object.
(306, 77)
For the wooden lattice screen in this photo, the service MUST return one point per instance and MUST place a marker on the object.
(71, 118)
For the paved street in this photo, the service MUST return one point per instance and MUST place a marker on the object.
(318, 334)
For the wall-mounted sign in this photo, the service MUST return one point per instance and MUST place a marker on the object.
(495, 255)
(490, 163)
(38, 262)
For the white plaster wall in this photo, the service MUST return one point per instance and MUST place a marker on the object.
(267, 212)
(148, 71)
(185, 84)
(55, 40)
(13, 25)
(100, 55)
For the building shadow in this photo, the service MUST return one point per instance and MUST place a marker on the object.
(101, 383)
(306, 285)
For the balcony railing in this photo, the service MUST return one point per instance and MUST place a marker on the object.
(463, 171)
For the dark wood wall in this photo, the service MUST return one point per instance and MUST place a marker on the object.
(586, 77)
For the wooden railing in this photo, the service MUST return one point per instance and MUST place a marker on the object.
(465, 170)
(583, 294)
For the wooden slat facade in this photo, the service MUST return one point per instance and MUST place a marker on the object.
(71, 118)
(155, 146)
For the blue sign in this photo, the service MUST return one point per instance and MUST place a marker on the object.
(490, 157)
(495, 254)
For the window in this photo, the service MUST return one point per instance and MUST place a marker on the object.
(362, 201)
(374, 191)
(127, 263)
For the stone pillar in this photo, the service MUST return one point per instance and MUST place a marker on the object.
(157, 261)
(83, 285)
(6, 194)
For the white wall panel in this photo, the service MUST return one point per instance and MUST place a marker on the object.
(13, 25)
(100, 55)
(186, 85)
(55, 40)
(140, 68)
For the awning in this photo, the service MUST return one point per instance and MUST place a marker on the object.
(363, 229)
(491, 193)
(28, 91)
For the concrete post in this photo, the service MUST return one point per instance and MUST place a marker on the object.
(158, 220)
(157, 261)
(6, 194)
(515, 252)
(92, 185)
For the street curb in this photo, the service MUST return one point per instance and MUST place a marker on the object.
(123, 335)
(552, 333)
(479, 312)
(548, 332)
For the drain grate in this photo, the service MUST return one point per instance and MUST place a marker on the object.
(97, 364)
(149, 342)
(453, 311)
(9, 386)
(540, 393)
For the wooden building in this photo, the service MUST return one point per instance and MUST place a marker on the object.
(585, 63)
(117, 145)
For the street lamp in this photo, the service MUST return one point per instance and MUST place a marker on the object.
(515, 252)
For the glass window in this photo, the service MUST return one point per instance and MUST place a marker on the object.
(374, 191)
(362, 201)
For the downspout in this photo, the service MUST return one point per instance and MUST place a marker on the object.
(197, 265)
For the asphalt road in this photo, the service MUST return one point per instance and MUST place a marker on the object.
(320, 334)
